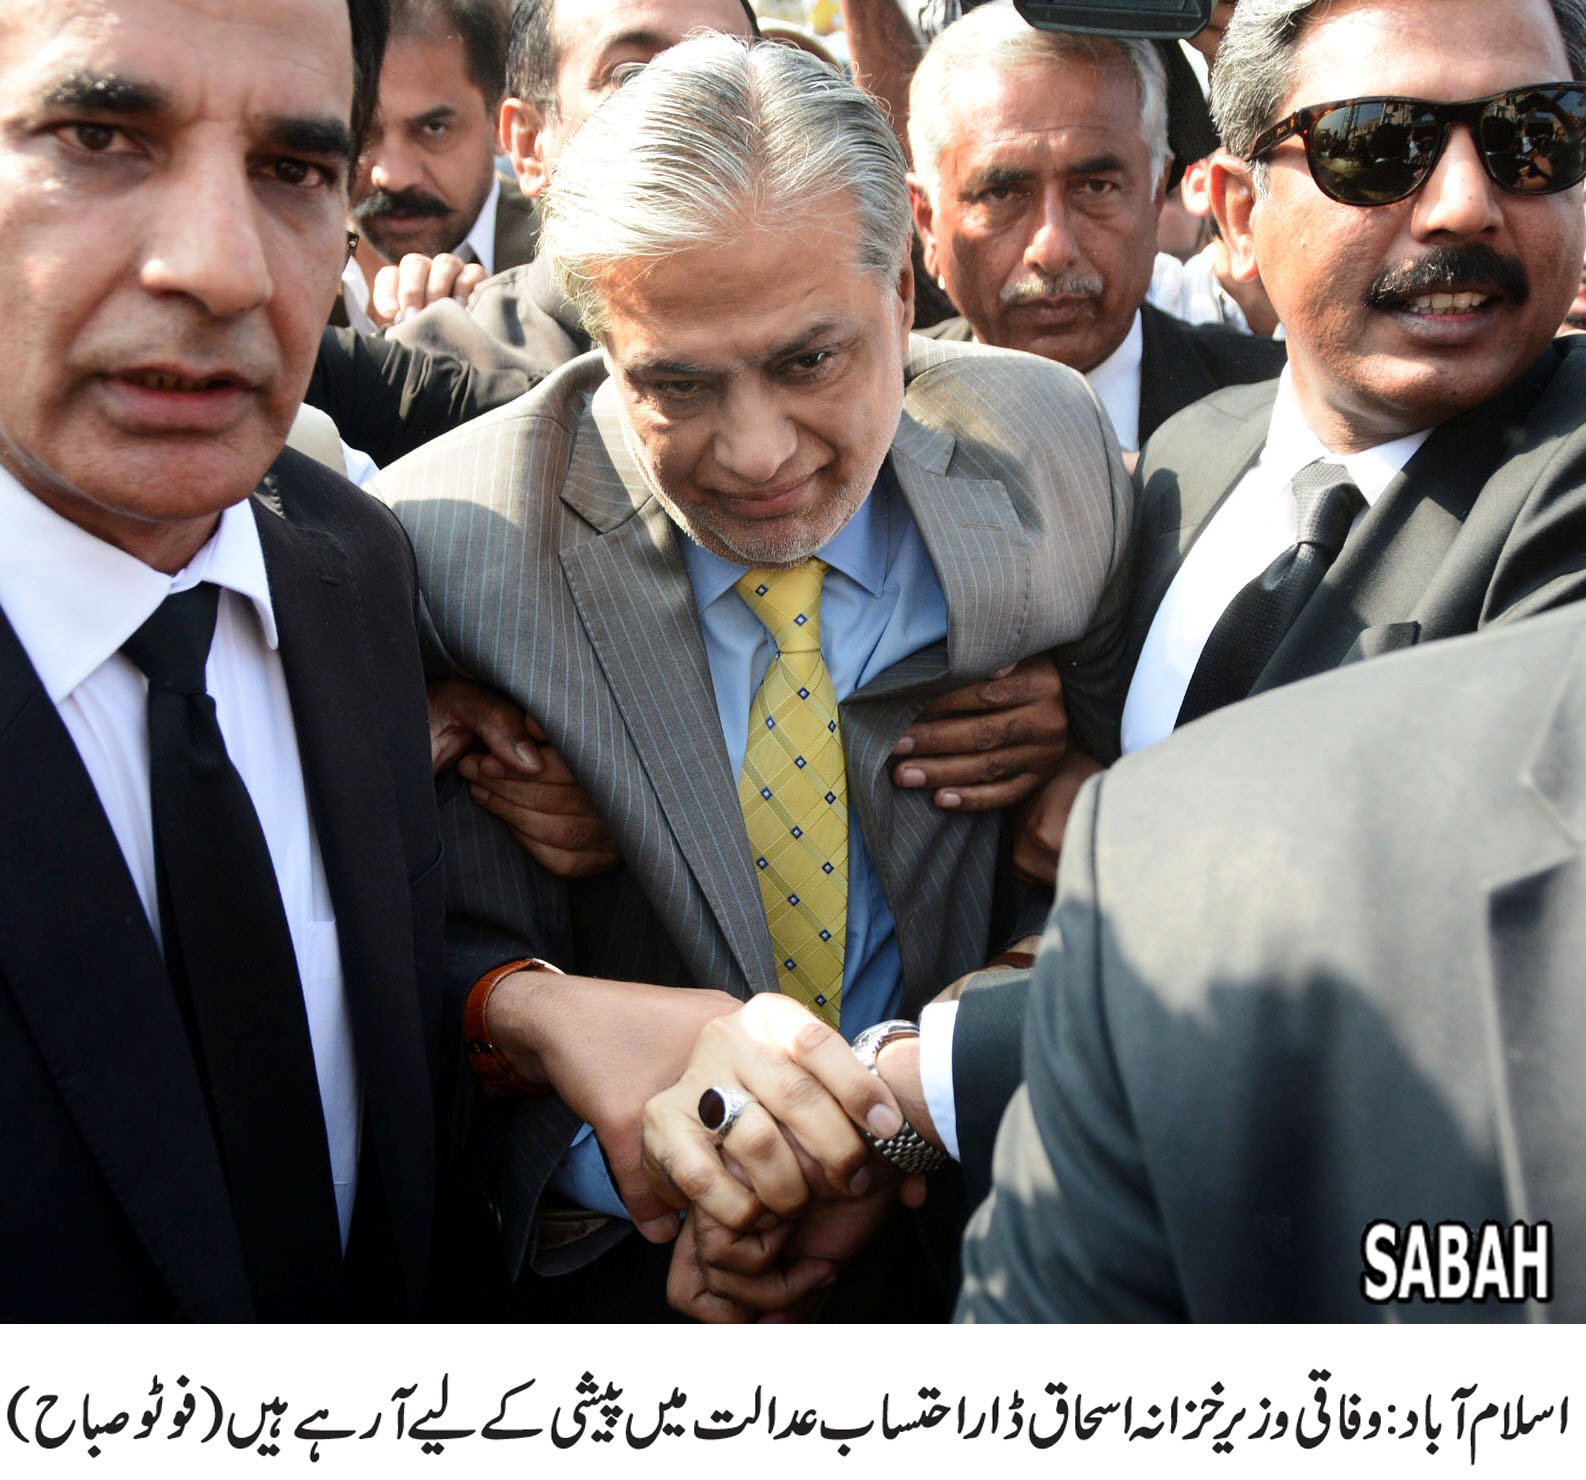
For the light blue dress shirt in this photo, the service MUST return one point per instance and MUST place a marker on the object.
(881, 601)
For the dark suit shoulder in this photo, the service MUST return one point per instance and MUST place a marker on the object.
(310, 497)
(1234, 408)
(1234, 358)
(1244, 764)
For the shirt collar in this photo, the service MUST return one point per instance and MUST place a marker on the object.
(74, 600)
(1116, 383)
(482, 234)
(858, 550)
(1291, 445)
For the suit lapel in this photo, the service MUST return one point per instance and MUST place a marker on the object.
(1177, 503)
(977, 546)
(330, 674)
(1172, 373)
(88, 978)
(654, 661)
(1536, 919)
(1402, 545)
(976, 543)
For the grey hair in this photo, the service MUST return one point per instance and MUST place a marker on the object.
(1255, 67)
(717, 135)
(997, 34)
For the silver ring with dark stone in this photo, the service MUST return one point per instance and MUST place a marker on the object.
(720, 1107)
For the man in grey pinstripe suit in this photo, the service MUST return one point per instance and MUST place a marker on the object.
(734, 226)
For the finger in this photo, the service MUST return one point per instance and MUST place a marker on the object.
(1031, 681)
(983, 769)
(686, 1291)
(777, 1289)
(460, 708)
(572, 832)
(991, 797)
(750, 1253)
(414, 274)
(383, 303)
(541, 794)
(499, 723)
(684, 1167)
(1039, 727)
(806, 1076)
(655, 1220)
(767, 1161)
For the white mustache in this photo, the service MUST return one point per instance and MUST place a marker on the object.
(1044, 285)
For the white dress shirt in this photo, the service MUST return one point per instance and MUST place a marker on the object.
(73, 600)
(1255, 524)
(1116, 382)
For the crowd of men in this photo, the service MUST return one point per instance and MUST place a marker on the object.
(605, 869)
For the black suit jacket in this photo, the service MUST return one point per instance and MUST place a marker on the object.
(1238, 1057)
(1179, 362)
(115, 1205)
(1486, 523)
(388, 398)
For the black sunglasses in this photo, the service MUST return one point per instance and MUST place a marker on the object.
(1373, 151)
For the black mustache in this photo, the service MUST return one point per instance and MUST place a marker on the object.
(400, 203)
(1467, 268)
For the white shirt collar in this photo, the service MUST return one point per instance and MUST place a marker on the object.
(74, 599)
(482, 234)
(1291, 444)
(1116, 382)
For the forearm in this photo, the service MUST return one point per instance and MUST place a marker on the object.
(885, 52)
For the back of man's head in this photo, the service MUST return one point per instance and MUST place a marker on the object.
(713, 140)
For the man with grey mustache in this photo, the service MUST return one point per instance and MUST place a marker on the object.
(1040, 163)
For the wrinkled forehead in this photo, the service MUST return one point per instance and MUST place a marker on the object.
(256, 64)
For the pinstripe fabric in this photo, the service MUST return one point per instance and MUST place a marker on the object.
(552, 573)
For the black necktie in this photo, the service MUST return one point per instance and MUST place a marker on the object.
(1255, 621)
(229, 954)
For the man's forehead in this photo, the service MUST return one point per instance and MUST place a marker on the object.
(277, 58)
(425, 68)
(587, 28)
(1463, 49)
(1044, 109)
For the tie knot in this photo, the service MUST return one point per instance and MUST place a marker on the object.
(173, 645)
(787, 600)
(1328, 501)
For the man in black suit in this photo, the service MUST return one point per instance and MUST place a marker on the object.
(1240, 1058)
(1421, 363)
(1040, 163)
(427, 181)
(173, 192)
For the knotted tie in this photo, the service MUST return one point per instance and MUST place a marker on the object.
(794, 790)
(1261, 613)
(230, 958)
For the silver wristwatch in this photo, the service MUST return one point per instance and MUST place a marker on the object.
(906, 1148)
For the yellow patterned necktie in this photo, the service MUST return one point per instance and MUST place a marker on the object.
(794, 790)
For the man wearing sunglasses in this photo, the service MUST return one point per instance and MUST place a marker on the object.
(1405, 178)
(1283, 969)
